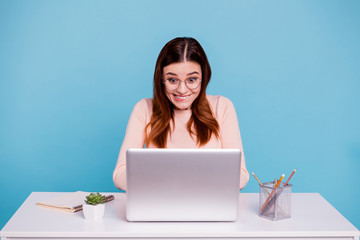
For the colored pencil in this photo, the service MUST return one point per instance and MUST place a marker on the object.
(286, 183)
(272, 193)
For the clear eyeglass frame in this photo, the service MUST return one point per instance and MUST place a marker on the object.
(175, 85)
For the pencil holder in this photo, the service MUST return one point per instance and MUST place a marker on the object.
(275, 203)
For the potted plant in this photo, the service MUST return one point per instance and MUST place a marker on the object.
(94, 206)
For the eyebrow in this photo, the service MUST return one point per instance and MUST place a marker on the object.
(174, 74)
(170, 73)
(195, 72)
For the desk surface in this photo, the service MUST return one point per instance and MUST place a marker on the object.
(312, 217)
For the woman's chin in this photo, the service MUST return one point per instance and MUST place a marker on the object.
(181, 106)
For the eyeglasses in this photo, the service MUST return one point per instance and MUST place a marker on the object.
(172, 83)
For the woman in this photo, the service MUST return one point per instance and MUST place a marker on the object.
(181, 114)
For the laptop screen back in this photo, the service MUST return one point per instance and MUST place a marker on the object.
(183, 184)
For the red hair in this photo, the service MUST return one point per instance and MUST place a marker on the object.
(202, 118)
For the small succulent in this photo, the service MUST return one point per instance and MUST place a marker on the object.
(95, 198)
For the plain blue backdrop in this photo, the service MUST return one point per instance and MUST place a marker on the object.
(71, 72)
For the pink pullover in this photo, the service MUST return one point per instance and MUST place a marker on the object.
(224, 113)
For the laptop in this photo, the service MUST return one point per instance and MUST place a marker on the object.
(182, 184)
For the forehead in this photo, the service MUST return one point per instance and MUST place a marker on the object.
(182, 68)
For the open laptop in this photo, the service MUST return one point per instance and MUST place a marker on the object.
(182, 184)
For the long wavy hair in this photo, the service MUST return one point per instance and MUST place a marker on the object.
(202, 123)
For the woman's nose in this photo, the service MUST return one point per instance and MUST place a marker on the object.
(182, 87)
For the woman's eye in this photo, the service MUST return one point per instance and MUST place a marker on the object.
(172, 80)
(192, 79)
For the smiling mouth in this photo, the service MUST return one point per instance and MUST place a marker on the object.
(181, 97)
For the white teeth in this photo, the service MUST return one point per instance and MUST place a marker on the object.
(182, 97)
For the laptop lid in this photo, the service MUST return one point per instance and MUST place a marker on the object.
(182, 184)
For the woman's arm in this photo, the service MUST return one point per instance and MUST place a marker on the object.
(134, 138)
(230, 134)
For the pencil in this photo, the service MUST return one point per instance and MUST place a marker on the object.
(280, 179)
(271, 202)
(272, 192)
(261, 184)
(290, 177)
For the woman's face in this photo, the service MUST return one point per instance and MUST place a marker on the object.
(184, 74)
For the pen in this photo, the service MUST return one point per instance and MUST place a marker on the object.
(272, 193)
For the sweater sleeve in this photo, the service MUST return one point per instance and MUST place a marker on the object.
(134, 138)
(230, 134)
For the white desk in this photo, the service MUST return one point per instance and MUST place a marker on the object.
(312, 218)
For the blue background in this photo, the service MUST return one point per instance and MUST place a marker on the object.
(71, 72)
